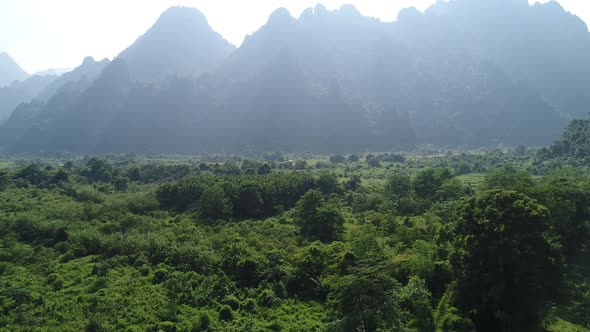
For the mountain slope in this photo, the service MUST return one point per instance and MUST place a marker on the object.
(21, 92)
(43, 87)
(465, 73)
(181, 42)
(54, 71)
(452, 97)
(542, 45)
(574, 144)
(86, 73)
(10, 71)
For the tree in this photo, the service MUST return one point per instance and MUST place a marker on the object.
(337, 159)
(230, 167)
(248, 164)
(31, 174)
(327, 183)
(398, 186)
(354, 183)
(353, 158)
(264, 169)
(415, 300)
(317, 218)
(373, 161)
(508, 177)
(504, 267)
(3, 180)
(226, 313)
(447, 318)
(364, 299)
(426, 182)
(214, 203)
(98, 170)
(249, 200)
(300, 165)
(452, 189)
(520, 150)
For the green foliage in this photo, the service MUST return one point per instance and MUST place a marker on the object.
(214, 204)
(317, 218)
(574, 143)
(506, 270)
(337, 159)
(364, 299)
(170, 245)
(264, 169)
(427, 182)
(508, 178)
(398, 186)
(447, 318)
(353, 158)
(226, 313)
(415, 299)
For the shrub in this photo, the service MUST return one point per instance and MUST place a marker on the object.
(226, 313)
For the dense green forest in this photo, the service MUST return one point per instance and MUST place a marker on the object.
(334, 172)
(430, 241)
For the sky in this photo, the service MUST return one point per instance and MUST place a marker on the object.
(42, 34)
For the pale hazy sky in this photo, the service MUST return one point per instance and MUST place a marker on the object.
(41, 34)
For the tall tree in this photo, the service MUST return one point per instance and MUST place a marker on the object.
(505, 268)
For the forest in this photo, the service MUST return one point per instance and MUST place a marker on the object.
(333, 172)
(426, 241)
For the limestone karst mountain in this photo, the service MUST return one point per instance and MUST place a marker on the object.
(10, 70)
(464, 73)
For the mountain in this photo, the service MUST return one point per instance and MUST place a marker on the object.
(43, 87)
(542, 46)
(53, 72)
(464, 73)
(181, 42)
(10, 71)
(453, 98)
(21, 92)
(573, 145)
(83, 75)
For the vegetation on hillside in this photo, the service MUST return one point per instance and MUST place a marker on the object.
(458, 242)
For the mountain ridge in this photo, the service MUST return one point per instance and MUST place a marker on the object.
(332, 80)
(180, 42)
(10, 71)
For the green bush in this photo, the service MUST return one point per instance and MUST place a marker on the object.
(226, 313)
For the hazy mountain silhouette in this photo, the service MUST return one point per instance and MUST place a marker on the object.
(451, 96)
(21, 92)
(83, 75)
(43, 87)
(543, 45)
(181, 42)
(53, 71)
(45, 109)
(10, 71)
(463, 73)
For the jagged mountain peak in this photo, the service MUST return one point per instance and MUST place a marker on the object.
(281, 15)
(349, 10)
(320, 9)
(181, 42)
(10, 70)
(408, 14)
(181, 18)
(88, 60)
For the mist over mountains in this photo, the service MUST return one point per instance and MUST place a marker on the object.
(464, 73)
(10, 71)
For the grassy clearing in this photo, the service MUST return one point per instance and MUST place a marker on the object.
(6, 165)
(561, 325)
